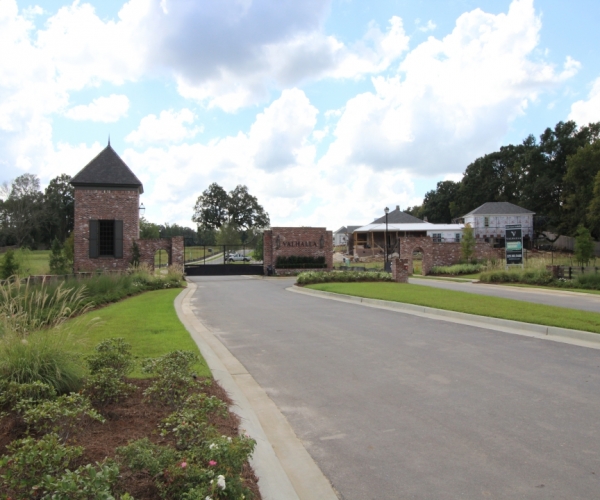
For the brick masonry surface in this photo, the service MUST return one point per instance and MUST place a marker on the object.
(173, 247)
(442, 254)
(105, 204)
(400, 270)
(297, 241)
(116, 204)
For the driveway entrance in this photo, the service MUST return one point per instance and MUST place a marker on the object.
(394, 406)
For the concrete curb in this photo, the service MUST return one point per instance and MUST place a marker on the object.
(285, 469)
(564, 335)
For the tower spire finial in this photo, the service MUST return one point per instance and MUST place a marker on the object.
(109, 139)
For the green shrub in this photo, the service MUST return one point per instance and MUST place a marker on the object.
(174, 380)
(106, 386)
(58, 262)
(228, 453)
(311, 277)
(189, 424)
(531, 277)
(29, 461)
(85, 483)
(112, 353)
(144, 456)
(60, 416)
(12, 393)
(40, 357)
(9, 266)
(457, 269)
(588, 281)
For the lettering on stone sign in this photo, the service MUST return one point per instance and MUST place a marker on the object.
(299, 243)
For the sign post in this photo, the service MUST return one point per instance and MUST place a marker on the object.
(514, 244)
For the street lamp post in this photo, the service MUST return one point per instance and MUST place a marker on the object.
(385, 247)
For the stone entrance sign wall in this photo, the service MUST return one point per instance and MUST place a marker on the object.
(297, 242)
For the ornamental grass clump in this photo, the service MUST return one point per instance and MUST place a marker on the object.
(41, 357)
(26, 307)
(311, 277)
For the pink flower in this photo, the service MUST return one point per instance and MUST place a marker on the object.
(212, 463)
(183, 465)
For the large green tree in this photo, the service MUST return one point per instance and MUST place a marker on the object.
(23, 211)
(593, 215)
(216, 208)
(578, 190)
(439, 203)
(59, 208)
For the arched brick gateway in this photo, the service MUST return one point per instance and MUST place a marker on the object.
(442, 253)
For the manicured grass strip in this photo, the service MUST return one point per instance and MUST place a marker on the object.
(470, 303)
(147, 321)
(541, 287)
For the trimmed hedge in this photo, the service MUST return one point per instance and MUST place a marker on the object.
(458, 269)
(311, 277)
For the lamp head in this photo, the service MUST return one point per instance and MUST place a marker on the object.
(142, 210)
(386, 210)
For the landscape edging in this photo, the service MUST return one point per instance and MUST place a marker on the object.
(286, 471)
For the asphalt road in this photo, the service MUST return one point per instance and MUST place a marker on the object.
(583, 301)
(394, 406)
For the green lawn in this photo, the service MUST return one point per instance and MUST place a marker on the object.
(147, 321)
(34, 262)
(470, 303)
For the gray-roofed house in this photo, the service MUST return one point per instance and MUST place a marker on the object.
(370, 239)
(398, 217)
(490, 220)
(107, 205)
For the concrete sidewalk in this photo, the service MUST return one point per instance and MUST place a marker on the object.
(285, 469)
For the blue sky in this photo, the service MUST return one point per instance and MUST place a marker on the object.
(327, 111)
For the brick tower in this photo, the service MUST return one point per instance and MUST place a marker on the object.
(107, 200)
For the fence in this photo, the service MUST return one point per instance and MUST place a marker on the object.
(570, 272)
(218, 254)
(566, 243)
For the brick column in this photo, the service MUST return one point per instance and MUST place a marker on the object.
(400, 270)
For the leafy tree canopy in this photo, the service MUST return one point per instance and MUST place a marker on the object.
(215, 208)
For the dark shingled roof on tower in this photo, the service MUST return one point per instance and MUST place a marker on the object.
(499, 208)
(107, 170)
(398, 217)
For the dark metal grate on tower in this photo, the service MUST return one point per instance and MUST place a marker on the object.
(106, 237)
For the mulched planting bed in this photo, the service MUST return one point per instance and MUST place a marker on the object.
(126, 421)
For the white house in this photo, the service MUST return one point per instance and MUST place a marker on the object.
(490, 220)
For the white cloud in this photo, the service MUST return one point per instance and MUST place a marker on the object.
(103, 109)
(289, 61)
(430, 26)
(280, 132)
(169, 127)
(452, 100)
(588, 111)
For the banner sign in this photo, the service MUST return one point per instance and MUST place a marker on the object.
(514, 244)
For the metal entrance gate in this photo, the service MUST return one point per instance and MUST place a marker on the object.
(221, 260)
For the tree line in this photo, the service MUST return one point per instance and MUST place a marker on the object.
(557, 177)
(30, 217)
